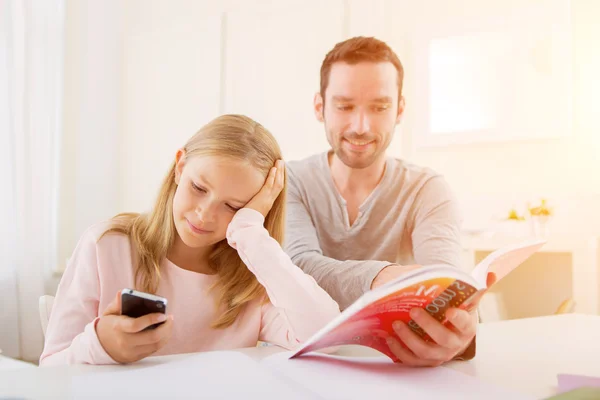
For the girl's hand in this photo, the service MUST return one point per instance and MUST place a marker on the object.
(124, 338)
(264, 199)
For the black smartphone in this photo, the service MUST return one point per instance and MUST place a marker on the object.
(135, 304)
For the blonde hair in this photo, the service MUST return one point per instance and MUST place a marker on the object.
(153, 234)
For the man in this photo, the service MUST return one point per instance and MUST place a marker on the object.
(358, 219)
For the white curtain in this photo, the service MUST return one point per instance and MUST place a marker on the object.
(31, 82)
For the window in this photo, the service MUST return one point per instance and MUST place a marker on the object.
(496, 79)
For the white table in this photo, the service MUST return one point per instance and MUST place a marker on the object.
(525, 355)
(9, 364)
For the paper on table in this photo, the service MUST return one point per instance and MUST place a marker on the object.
(210, 375)
(360, 378)
(567, 382)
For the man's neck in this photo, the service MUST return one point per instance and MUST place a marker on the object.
(353, 180)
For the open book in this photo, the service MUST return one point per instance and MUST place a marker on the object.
(368, 321)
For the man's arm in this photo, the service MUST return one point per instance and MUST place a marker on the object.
(345, 281)
(436, 233)
(436, 225)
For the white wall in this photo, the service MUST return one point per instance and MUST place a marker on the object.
(197, 61)
(136, 90)
(490, 178)
(90, 161)
(171, 87)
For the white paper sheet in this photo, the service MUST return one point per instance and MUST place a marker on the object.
(360, 378)
(211, 375)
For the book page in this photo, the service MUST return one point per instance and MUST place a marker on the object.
(362, 378)
(503, 261)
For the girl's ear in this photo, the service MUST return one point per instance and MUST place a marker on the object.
(179, 164)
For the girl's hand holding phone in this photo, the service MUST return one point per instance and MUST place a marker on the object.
(125, 339)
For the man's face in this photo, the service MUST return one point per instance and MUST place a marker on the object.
(360, 111)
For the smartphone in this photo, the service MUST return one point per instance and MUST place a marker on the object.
(135, 304)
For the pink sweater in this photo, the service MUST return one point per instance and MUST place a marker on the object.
(98, 269)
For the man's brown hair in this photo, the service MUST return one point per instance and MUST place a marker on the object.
(360, 49)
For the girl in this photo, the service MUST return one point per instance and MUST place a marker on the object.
(210, 245)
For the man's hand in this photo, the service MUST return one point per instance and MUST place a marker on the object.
(449, 342)
(390, 273)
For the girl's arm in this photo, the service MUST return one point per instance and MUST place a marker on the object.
(298, 306)
(71, 335)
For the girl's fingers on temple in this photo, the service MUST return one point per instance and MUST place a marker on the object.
(280, 174)
(271, 177)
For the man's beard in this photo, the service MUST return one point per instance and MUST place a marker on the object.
(356, 160)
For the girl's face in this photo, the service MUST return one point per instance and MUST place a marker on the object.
(210, 189)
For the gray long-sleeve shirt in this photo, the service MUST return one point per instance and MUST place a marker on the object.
(410, 218)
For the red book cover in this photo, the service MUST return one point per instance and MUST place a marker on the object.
(368, 322)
